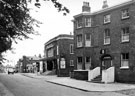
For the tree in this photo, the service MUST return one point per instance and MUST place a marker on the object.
(16, 22)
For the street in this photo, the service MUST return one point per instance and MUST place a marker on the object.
(21, 85)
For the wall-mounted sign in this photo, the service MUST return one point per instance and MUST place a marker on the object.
(62, 63)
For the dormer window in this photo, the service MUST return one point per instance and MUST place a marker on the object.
(107, 18)
(125, 13)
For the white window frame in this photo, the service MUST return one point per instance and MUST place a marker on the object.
(71, 62)
(107, 18)
(71, 48)
(123, 66)
(79, 23)
(87, 22)
(87, 41)
(125, 34)
(106, 38)
(125, 13)
(79, 43)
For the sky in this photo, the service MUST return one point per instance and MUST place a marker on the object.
(54, 23)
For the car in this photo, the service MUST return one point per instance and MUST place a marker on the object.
(10, 70)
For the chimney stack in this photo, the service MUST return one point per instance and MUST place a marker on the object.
(86, 7)
(105, 5)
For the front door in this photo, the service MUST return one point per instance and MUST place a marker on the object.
(106, 64)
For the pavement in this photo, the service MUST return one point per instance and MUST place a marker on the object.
(82, 85)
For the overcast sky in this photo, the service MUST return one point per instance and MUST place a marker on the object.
(54, 23)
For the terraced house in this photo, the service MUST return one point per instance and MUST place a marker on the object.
(105, 43)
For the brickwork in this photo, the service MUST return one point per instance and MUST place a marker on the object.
(61, 49)
(116, 46)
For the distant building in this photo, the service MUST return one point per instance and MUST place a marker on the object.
(28, 64)
(59, 55)
(106, 39)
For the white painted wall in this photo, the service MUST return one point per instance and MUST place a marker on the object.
(93, 73)
(108, 75)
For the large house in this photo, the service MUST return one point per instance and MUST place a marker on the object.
(59, 55)
(105, 43)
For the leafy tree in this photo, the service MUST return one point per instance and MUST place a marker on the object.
(16, 22)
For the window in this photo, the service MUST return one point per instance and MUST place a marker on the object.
(107, 18)
(87, 40)
(79, 60)
(57, 50)
(79, 23)
(87, 22)
(50, 52)
(125, 60)
(125, 13)
(79, 40)
(107, 36)
(71, 48)
(125, 34)
(71, 62)
(87, 60)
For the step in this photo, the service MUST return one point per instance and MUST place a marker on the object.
(97, 79)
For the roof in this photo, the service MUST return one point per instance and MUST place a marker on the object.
(107, 9)
(61, 36)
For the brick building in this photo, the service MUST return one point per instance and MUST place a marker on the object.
(105, 39)
(59, 55)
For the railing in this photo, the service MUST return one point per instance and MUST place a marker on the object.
(108, 75)
(93, 73)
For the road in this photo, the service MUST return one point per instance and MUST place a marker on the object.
(21, 85)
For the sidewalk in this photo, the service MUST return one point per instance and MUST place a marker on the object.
(83, 85)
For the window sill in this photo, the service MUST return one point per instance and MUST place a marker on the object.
(124, 18)
(124, 67)
(72, 65)
(87, 26)
(71, 53)
(88, 46)
(124, 41)
(107, 44)
(107, 22)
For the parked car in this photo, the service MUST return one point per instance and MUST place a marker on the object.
(10, 70)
